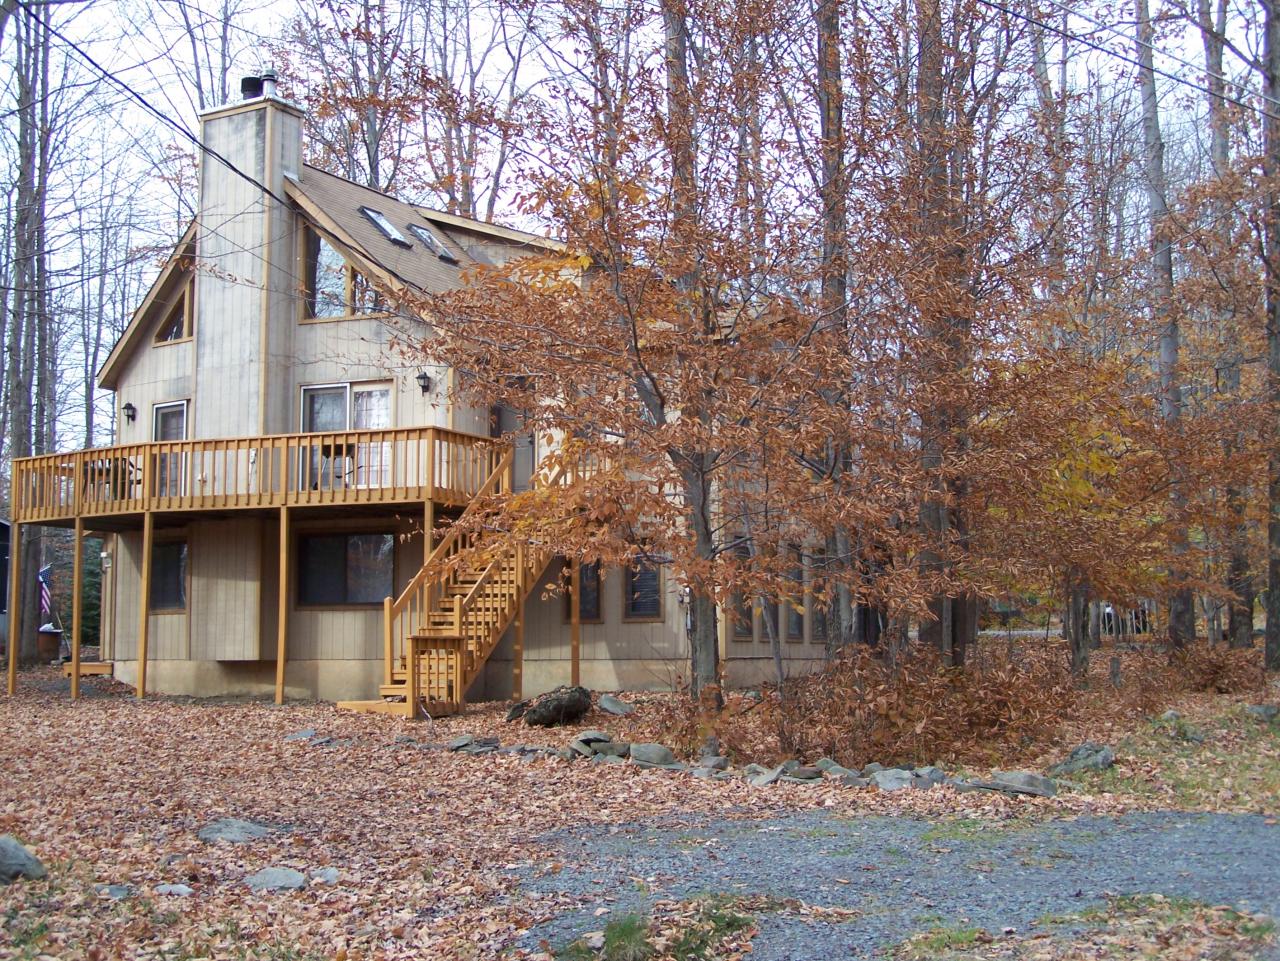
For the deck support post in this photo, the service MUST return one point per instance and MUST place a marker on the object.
(77, 588)
(575, 622)
(428, 529)
(282, 605)
(144, 600)
(517, 655)
(15, 598)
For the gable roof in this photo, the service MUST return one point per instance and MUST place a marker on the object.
(184, 249)
(336, 206)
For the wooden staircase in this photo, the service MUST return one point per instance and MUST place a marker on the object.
(440, 631)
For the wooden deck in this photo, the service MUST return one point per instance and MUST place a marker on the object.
(368, 467)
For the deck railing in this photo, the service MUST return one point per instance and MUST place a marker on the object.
(283, 470)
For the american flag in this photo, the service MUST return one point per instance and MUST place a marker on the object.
(46, 596)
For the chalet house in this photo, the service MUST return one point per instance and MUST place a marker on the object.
(278, 458)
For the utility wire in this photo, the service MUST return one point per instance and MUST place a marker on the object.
(1076, 38)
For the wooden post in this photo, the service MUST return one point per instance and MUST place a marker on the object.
(412, 692)
(77, 588)
(282, 605)
(144, 601)
(575, 622)
(15, 595)
(428, 529)
(517, 658)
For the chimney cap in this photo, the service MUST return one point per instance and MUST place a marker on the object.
(251, 87)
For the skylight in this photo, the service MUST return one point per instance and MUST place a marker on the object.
(432, 243)
(386, 226)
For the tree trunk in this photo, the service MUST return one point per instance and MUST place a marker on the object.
(1271, 246)
(1181, 602)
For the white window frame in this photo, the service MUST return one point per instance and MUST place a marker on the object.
(367, 460)
(171, 469)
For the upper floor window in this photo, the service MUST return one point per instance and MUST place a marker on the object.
(177, 322)
(387, 228)
(334, 288)
(432, 243)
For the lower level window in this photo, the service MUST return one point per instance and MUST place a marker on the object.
(642, 592)
(168, 576)
(342, 569)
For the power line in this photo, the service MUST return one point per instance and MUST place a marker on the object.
(1076, 38)
(1224, 80)
(168, 121)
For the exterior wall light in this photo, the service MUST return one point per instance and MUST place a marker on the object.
(424, 381)
(130, 413)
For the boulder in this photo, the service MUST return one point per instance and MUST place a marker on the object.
(715, 762)
(114, 892)
(654, 755)
(892, 779)
(839, 771)
(789, 765)
(616, 706)
(765, 776)
(1013, 782)
(581, 747)
(564, 705)
(871, 769)
(234, 831)
(480, 745)
(1086, 757)
(276, 879)
(17, 862)
(854, 780)
(618, 749)
(517, 710)
(174, 890)
(1263, 712)
(325, 876)
(459, 742)
(805, 773)
(931, 775)
(609, 759)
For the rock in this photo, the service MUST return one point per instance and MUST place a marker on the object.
(517, 710)
(1086, 757)
(1263, 712)
(853, 780)
(753, 768)
(234, 831)
(564, 705)
(480, 745)
(276, 879)
(303, 735)
(871, 769)
(789, 766)
(582, 748)
(825, 764)
(892, 779)
(931, 774)
(17, 862)
(114, 892)
(703, 772)
(1013, 782)
(174, 890)
(1170, 717)
(839, 771)
(765, 777)
(616, 706)
(325, 876)
(459, 742)
(716, 762)
(404, 739)
(618, 749)
(609, 759)
(805, 773)
(565, 754)
(594, 737)
(655, 754)
(322, 741)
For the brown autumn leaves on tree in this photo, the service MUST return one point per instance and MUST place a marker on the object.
(858, 293)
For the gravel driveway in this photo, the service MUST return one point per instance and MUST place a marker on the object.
(906, 875)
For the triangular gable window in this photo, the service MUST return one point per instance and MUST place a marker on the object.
(335, 289)
(177, 322)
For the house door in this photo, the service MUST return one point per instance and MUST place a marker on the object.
(324, 411)
(170, 424)
(506, 421)
(371, 410)
(339, 461)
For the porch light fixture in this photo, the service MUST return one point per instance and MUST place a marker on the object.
(424, 381)
(130, 413)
